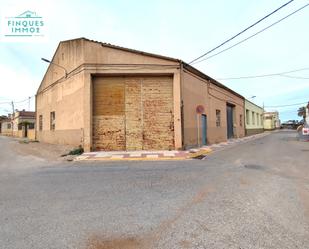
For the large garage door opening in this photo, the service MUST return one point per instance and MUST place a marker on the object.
(133, 113)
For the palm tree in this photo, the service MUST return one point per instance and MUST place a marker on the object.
(302, 112)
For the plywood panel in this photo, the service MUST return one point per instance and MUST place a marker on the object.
(158, 124)
(133, 113)
(108, 114)
(108, 96)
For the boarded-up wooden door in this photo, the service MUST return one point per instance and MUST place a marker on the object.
(133, 113)
(108, 113)
(158, 122)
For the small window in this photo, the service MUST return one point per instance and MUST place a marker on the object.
(31, 126)
(9, 126)
(20, 127)
(52, 121)
(240, 120)
(247, 117)
(253, 118)
(218, 118)
(41, 122)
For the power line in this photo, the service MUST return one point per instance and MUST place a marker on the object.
(277, 106)
(283, 74)
(17, 102)
(294, 77)
(27, 99)
(262, 30)
(2, 103)
(233, 37)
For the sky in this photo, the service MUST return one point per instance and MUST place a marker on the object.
(176, 28)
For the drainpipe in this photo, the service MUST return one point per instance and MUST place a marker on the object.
(198, 129)
(181, 107)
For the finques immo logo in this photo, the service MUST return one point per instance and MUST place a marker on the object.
(27, 25)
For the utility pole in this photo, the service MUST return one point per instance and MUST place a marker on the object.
(12, 107)
(12, 116)
(29, 103)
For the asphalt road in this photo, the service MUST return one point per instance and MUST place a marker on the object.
(252, 195)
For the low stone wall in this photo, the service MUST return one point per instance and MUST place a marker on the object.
(18, 133)
(31, 134)
(6, 133)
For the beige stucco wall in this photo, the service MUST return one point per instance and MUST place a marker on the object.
(197, 91)
(69, 55)
(269, 124)
(271, 120)
(4, 130)
(66, 100)
(253, 118)
(95, 53)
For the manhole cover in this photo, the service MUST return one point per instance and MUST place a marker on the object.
(253, 166)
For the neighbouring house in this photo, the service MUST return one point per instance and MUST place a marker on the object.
(254, 118)
(106, 97)
(307, 115)
(5, 126)
(271, 120)
(23, 124)
(2, 118)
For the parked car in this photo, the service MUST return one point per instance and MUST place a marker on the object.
(291, 124)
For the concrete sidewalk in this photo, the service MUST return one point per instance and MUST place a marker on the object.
(198, 153)
(143, 155)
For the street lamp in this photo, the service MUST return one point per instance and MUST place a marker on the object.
(252, 97)
(48, 61)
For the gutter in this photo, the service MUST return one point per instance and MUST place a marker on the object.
(206, 77)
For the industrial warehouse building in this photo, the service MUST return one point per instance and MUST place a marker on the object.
(106, 97)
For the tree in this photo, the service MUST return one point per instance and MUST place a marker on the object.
(302, 112)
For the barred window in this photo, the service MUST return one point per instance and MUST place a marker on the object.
(41, 122)
(248, 116)
(253, 118)
(218, 118)
(52, 121)
(240, 120)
